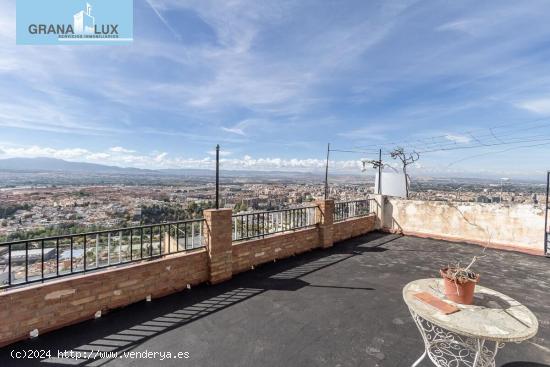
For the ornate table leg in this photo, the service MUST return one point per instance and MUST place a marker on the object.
(448, 349)
(420, 359)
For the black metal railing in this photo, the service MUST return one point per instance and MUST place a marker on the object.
(36, 260)
(260, 224)
(351, 209)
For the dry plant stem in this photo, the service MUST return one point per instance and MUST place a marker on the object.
(482, 254)
(466, 269)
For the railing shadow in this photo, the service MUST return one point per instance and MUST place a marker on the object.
(124, 329)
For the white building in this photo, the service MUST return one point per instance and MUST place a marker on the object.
(83, 21)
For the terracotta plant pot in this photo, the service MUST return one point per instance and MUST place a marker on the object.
(459, 292)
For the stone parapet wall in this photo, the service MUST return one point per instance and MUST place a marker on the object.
(506, 226)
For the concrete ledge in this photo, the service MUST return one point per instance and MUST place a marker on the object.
(496, 246)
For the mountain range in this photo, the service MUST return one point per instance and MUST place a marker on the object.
(43, 164)
(60, 165)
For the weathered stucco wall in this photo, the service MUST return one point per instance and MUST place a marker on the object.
(513, 226)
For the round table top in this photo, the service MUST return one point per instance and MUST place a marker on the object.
(493, 316)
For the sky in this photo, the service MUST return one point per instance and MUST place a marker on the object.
(273, 82)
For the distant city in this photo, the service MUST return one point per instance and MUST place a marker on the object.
(45, 203)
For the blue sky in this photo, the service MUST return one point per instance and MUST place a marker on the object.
(273, 81)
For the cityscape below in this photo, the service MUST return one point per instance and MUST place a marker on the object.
(45, 203)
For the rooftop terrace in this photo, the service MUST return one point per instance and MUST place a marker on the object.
(340, 306)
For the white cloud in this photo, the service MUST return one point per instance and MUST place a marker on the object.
(469, 26)
(156, 160)
(223, 153)
(98, 156)
(234, 130)
(160, 157)
(540, 106)
(36, 151)
(121, 150)
(293, 164)
(163, 20)
(241, 127)
(262, 60)
(240, 73)
(7, 22)
(461, 139)
(40, 115)
(375, 131)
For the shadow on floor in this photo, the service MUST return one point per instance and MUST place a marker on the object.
(524, 364)
(123, 329)
(369, 249)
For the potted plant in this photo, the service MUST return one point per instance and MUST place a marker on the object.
(459, 283)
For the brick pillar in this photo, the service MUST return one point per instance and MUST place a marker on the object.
(217, 233)
(325, 211)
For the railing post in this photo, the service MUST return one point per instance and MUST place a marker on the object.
(325, 213)
(217, 233)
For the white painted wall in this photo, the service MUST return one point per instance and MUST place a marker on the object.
(516, 225)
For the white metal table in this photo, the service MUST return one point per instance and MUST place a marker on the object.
(472, 336)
